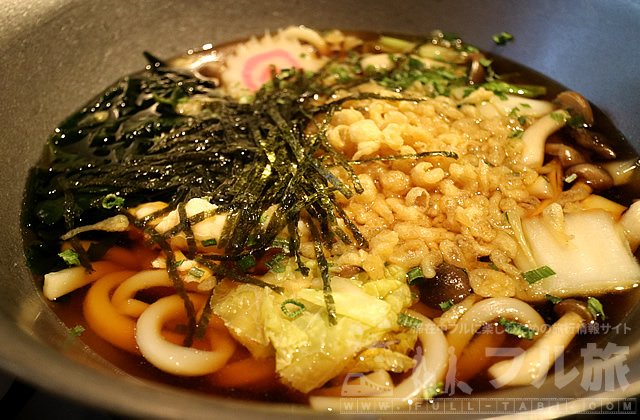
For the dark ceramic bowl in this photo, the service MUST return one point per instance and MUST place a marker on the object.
(57, 54)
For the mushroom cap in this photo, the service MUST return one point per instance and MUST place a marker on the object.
(576, 102)
(568, 155)
(574, 305)
(593, 175)
(451, 283)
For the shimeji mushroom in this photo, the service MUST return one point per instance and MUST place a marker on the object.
(531, 366)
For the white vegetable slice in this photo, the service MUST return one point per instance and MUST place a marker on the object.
(630, 222)
(596, 260)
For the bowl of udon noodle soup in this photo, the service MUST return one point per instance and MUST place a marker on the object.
(320, 221)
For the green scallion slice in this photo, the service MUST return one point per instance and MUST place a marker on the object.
(553, 299)
(111, 200)
(433, 391)
(446, 305)
(415, 276)
(297, 312)
(538, 274)
(409, 321)
(502, 38)
(196, 272)
(595, 307)
(247, 262)
(210, 242)
(571, 178)
(178, 263)
(76, 331)
(70, 257)
(275, 261)
(517, 329)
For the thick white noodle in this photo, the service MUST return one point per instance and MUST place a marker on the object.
(123, 297)
(532, 366)
(432, 366)
(430, 369)
(172, 358)
(489, 310)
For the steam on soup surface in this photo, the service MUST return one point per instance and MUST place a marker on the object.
(278, 217)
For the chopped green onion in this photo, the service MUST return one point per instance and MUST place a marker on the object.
(576, 121)
(111, 200)
(522, 120)
(409, 321)
(76, 331)
(502, 38)
(528, 91)
(516, 134)
(396, 44)
(433, 391)
(553, 299)
(415, 276)
(525, 105)
(493, 266)
(515, 328)
(538, 274)
(196, 272)
(414, 296)
(571, 178)
(545, 178)
(210, 242)
(282, 243)
(595, 307)
(485, 62)
(70, 257)
(446, 305)
(178, 263)
(557, 116)
(297, 312)
(275, 261)
(246, 262)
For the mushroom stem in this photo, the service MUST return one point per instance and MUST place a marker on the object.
(532, 366)
(535, 137)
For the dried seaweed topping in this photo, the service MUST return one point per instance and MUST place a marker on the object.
(133, 141)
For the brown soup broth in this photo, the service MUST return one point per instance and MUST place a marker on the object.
(616, 306)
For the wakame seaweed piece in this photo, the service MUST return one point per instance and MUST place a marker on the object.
(324, 272)
(69, 222)
(125, 114)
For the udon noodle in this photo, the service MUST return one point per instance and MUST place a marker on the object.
(322, 211)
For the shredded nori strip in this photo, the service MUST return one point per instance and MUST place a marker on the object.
(205, 317)
(324, 272)
(131, 140)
